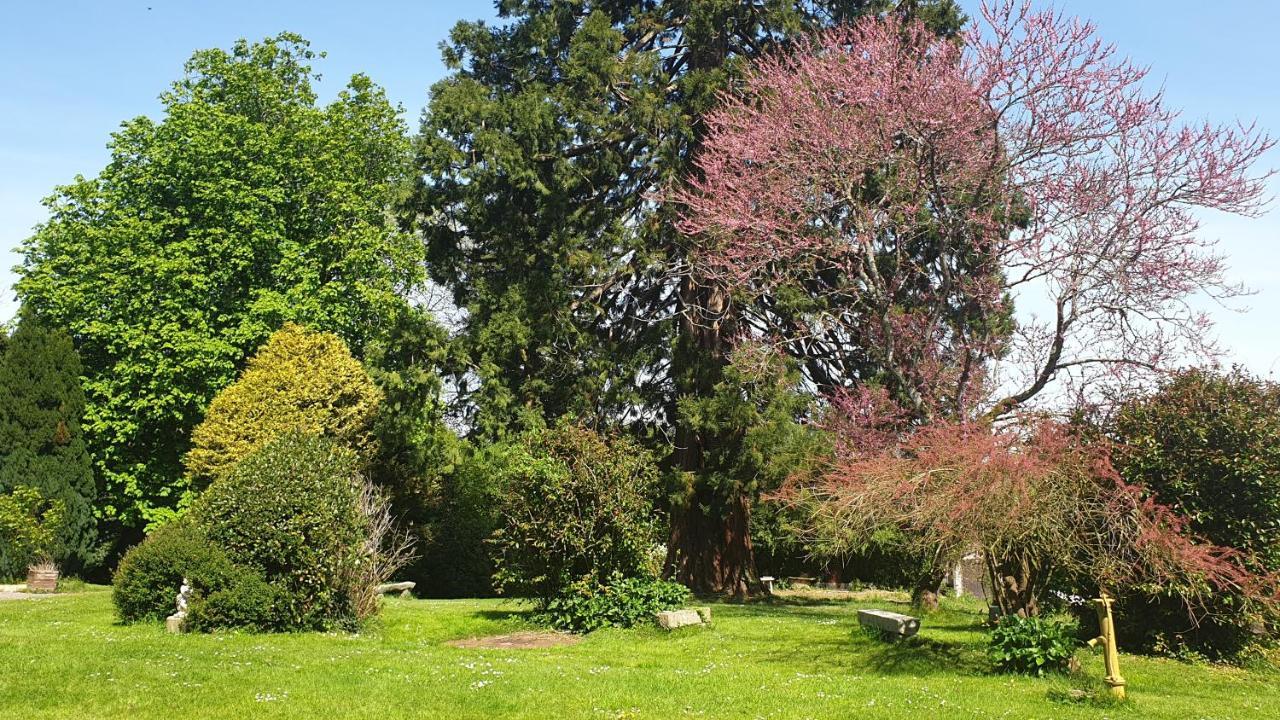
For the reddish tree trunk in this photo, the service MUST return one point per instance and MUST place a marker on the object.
(710, 544)
(710, 549)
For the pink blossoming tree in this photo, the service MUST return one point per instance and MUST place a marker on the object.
(908, 189)
(876, 199)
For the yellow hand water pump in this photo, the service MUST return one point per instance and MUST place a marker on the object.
(1110, 657)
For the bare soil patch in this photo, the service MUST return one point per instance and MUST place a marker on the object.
(518, 641)
(10, 595)
(868, 595)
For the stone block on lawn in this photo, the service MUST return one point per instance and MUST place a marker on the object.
(398, 587)
(672, 619)
(891, 623)
(704, 612)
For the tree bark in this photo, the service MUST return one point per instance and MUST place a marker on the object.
(924, 596)
(710, 543)
(1016, 584)
(710, 549)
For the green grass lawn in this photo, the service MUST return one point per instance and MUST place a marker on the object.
(65, 657)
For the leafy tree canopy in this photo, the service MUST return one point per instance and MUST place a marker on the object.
(543, 156)
(245, 205)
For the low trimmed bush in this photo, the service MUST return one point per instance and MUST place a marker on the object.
(249, 602)
(1032, 645)
(146, 583)
(624, 602)
(291, 511)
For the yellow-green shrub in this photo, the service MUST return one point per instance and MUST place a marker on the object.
(299, 381)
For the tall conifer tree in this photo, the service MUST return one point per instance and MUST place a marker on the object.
(41, 443)
(543, 158)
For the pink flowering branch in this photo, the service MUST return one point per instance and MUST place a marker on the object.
(910, 187)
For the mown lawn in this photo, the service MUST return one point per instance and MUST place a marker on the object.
(65, 657)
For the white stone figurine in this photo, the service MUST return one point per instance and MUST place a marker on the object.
(184, 593)
(174, 622)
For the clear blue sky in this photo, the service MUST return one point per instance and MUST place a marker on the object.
(71, 71)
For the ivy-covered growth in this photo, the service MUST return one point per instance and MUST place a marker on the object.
(575, 506)
(292, 511)
(41, 443)
(243, 205)
(28, 526)
(300, 381)
(1208, 445)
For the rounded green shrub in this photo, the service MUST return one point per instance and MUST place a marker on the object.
(291, 511)
(574, 506)
(624, 602)
(147, 581)
(1208, 445)
(1032, 645)
(249, 602)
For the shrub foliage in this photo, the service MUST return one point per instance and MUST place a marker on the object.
(147, 581)
(1208, 445)
(1032, 645)
(29, 525)
(291, 511)
(299, 381)
(624, 602)
(575, 507)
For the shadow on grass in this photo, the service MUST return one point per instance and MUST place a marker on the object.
(504, 614)
(960, 627)
(810, 601)
(918, 656)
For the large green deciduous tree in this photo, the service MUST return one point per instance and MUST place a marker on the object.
(543, 157)
(41, 442)
(245, 205)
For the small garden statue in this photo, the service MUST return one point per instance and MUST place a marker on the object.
(174, 621)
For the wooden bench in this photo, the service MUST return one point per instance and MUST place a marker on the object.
(889, 623)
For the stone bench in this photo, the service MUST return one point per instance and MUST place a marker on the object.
(401, 587)
(889, 623)
(672, 619)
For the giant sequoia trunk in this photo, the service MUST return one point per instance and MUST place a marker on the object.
(710, 543)
(710, 549)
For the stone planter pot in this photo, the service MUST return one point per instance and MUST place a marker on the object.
(42, 578)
